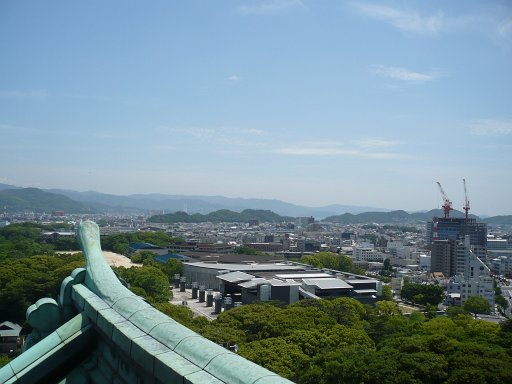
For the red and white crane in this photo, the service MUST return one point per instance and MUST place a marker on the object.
(447, 204)
(466, 201)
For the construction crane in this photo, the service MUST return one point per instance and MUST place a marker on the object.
(447, 205)
(466, 201)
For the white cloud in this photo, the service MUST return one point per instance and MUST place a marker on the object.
(199, 133)
(402, 74)
(216, 135)
(270, 7)
(312, 150)
(253, 131)
(109, 135)
(31, 94)
(234, 78)
(411, 21)
(406, 20)
(17, 128)
(504, 28)
(5, 180)
(362, 148)
(493, 22)
(164, 147)
(376, 142)
(491, 128)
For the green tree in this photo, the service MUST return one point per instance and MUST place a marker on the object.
(171, 267)
(4, 359)
(477, 305)
(387, 293)
(248, 251)
(120, 242)
(422, 294)
(151, 280)
(332, 260)
(25, 280)
(455, 311)
(141, 256)
(278, 355)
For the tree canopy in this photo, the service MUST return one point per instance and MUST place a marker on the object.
(343, 341)
(422, 294)
(25, 280)
(221, 216)
(477, 305)
(120, 242)
(149, 282)
(331, 260)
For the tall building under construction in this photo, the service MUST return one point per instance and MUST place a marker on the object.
(453, 228)
(446, 235)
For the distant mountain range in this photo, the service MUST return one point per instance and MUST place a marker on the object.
(36, 200)
(391, 217)
(140, 203)
(17, 199)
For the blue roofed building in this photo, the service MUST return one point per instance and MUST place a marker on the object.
(135, 247)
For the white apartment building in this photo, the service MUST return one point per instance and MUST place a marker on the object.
(473, 277)
(493, 243)
(367, 252)
(501, 264)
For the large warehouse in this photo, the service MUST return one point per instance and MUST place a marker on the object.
(283, 281)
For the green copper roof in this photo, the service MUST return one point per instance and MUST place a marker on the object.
(101, 332)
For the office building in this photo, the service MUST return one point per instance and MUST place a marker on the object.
(452, 228)
(449, 237)
(473, 277)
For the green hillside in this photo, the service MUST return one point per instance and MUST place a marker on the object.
(390, 217)
(223, 215)
(36, 200)
(499, 220)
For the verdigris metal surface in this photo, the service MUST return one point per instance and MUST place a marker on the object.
(51, 353)
(134, 342)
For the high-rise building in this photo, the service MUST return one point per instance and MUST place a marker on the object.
(472, 277)
(442, 257)
(448, 238)
(442, 228)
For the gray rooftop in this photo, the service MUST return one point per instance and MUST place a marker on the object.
(253, 283)
(246, 267)
(304, 275)
(331, 283)
(235, 277)
(8, 329)
(365, 291)
(360, 281)
(283, 283)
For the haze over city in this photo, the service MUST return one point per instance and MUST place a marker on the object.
(315, 103)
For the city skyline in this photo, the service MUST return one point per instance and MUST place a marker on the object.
(313, 103)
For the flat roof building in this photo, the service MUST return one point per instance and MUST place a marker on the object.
(452, 228)
(286, 282)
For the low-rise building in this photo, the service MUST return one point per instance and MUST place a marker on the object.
(367, 252)
(9, 337)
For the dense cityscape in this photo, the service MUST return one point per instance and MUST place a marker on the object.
(255, 192)
(453, 266)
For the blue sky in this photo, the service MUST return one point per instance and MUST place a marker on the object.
(312, 102)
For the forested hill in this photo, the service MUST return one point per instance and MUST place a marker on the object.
(499, 220)
(223, 215)
(404, 217)
(36, 200)
(390, 217)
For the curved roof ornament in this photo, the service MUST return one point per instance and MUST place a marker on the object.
(100, 278)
